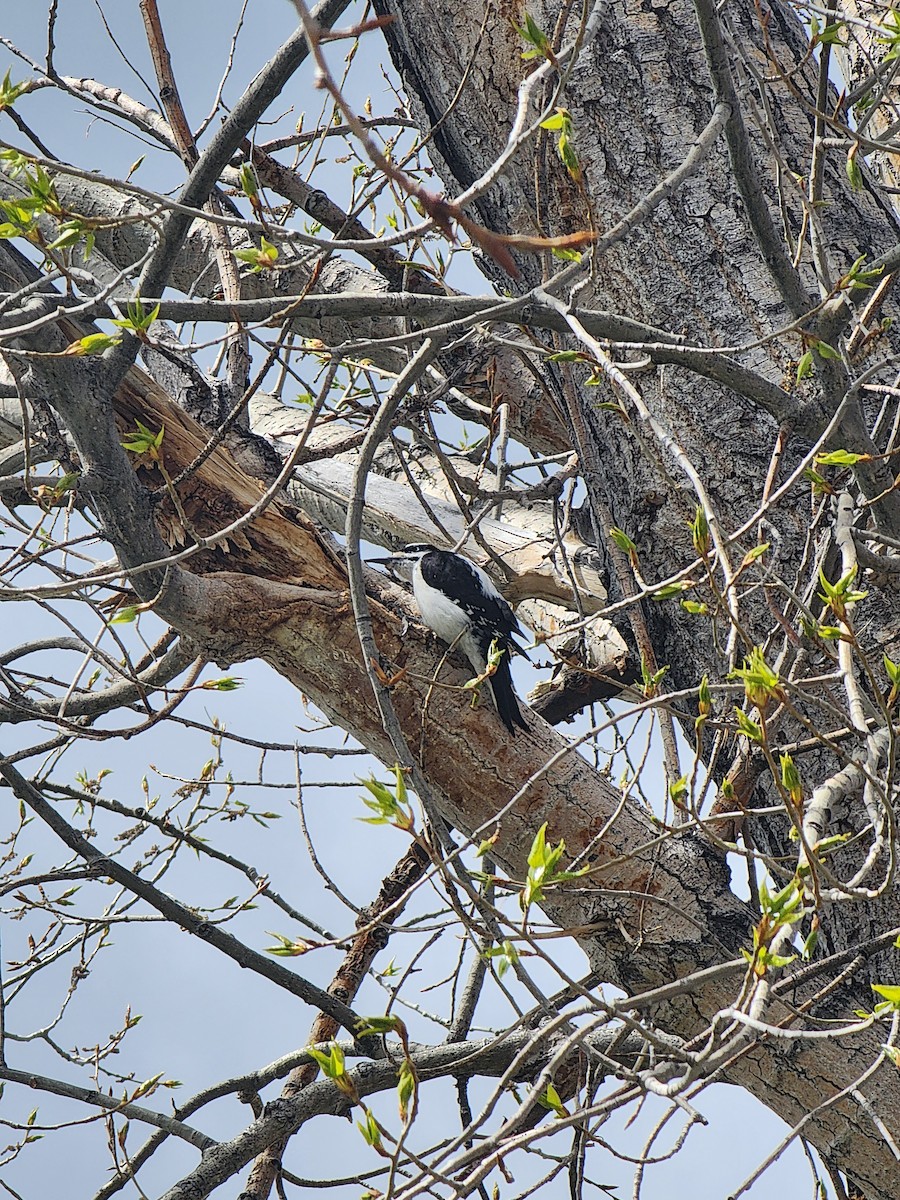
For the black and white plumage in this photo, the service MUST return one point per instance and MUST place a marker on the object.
(459, 602)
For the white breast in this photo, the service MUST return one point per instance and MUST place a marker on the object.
(438, 613)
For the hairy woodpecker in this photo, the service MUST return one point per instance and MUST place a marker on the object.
(460, 604)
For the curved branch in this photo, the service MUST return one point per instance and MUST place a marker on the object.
(125, 692)
(180, 916)
(125, 1108)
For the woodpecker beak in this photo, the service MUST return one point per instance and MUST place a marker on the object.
(392, 558)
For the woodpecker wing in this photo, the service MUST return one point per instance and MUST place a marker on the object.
(506, 621)
(506, 627)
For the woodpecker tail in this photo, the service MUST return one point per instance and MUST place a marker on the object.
(505, 697)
